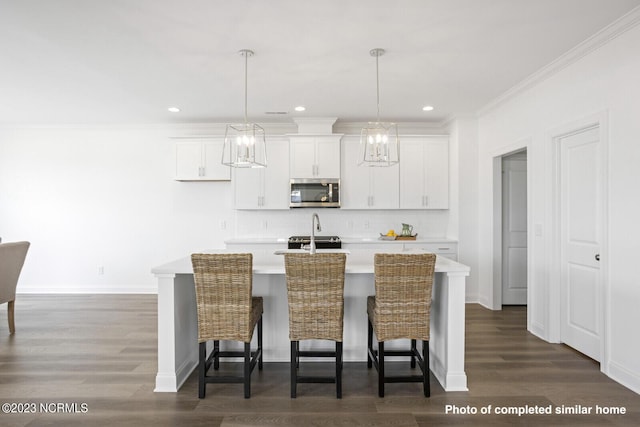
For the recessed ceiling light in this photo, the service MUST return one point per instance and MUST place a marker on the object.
(173, 109)
(300, 108)
(427, 108)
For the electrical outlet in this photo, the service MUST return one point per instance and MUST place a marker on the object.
(100, 270)
(366, 224)
(223, 225)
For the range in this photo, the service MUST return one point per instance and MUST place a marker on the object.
(322, 242)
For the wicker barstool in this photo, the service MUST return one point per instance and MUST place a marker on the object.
(315, 289)
(226, 311)
(401, 309)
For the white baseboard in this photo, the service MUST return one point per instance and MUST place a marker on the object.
(48, 289)
(627, 378)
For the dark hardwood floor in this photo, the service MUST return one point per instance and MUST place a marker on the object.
(97, 355)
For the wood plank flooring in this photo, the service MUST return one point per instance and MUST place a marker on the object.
(100, 351)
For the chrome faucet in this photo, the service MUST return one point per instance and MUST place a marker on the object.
(312, 244)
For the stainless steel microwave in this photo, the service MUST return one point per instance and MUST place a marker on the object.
(308, 192)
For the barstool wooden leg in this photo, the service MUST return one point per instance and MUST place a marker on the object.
(247, 370)
(413, 352)
(260, 343)
(216, 355)
(369, 343)
(339, 369)
(425, 361)
(10, 313)
(202, 362)
(381, 369)
(294, 368)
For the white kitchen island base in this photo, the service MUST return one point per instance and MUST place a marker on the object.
(177, 317)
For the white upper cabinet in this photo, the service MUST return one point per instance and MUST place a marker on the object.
(315, 156)
(200, 159)
(424, 172)
(363, 187)
(265, 188)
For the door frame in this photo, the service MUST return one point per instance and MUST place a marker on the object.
(506, 179)
(600, 120)
(522, 145)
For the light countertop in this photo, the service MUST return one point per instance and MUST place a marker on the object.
(266, 262)
(346, 240)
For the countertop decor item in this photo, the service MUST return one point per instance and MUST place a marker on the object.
(412, 237)
(387, 237)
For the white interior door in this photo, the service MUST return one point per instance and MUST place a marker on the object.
(580, 222)
(514, 229)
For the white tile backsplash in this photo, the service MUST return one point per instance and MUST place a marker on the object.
(352, 223)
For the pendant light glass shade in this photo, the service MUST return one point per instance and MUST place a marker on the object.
(379, 140)
(244, 143)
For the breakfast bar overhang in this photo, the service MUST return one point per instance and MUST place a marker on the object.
(177, 316)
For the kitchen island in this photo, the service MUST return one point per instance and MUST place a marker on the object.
(177, 316)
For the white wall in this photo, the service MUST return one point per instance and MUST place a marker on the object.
(87, 198)
(105, 197)
(464, 195)
(605, 80)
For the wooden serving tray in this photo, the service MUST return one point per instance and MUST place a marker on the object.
(407, 237)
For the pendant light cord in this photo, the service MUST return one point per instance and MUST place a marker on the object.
(377, 88)
(246, 53)
(377, 52)
(246, 64)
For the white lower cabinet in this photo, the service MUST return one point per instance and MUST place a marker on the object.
(364, 187)
(265, 188)
(445, 248)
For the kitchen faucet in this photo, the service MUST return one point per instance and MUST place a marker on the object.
(312, 244)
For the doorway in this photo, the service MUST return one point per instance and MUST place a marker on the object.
(514, 229)
(511, 217)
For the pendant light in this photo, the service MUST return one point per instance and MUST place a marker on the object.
(244, 143)
(378, 140)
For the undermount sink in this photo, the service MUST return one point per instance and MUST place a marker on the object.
(306, 251)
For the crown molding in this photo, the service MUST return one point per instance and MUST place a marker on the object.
(599, 39)
(418, 128)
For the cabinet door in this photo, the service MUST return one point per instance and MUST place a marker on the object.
(212, 167)
(384, 183)
(265, 188)
(200, 159)
(328, 157)
(276, 191)
(247, 187)
(436, 174)
(188, 160)
(303, 158)
(354, 185)
(411, 174)
(424, 173)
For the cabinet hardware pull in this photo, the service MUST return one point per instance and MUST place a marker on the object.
(597, 257)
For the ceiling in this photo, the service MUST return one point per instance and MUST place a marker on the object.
(126, 61)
